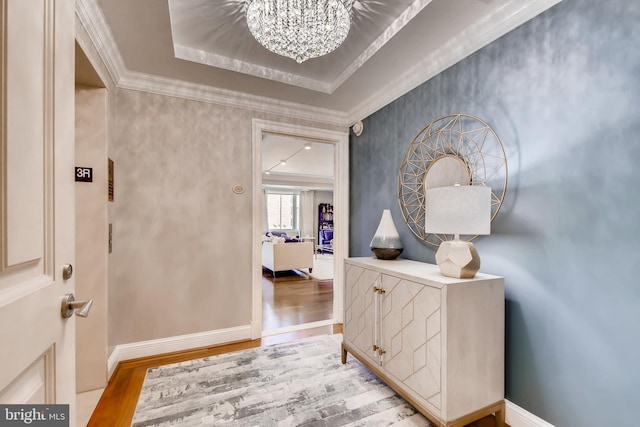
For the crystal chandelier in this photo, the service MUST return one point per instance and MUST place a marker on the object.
(299, 29)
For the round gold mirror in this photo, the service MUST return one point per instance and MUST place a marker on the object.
(446, 170)
(456, 148)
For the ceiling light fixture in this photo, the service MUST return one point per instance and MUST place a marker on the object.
(299, 29)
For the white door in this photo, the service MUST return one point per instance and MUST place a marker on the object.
(37, 354)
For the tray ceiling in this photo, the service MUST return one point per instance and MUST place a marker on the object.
(202, 49)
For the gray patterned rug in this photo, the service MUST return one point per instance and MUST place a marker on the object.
(291, 384)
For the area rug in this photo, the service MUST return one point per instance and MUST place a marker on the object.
(302, 383)
(322, 267)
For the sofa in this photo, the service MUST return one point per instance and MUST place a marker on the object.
(287, 256)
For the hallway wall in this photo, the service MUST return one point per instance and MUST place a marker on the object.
(562, 91)
(91, 238)
(182, 238)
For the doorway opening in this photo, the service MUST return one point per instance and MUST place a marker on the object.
(302, 177)
(297, 231)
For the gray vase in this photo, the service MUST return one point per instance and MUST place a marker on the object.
(386, 242)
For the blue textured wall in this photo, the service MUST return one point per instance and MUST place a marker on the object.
(563, 93)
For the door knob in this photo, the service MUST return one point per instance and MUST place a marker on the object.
(71, 306)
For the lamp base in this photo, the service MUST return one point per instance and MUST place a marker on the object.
(387, 253)
(458, 258)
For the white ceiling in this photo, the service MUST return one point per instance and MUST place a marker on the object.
(311, 169)
(203, 50)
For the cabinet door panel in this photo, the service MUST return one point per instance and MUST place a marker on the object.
(359, 320)
(411, 337)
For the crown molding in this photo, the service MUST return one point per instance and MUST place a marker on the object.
(501, 21)
(93, 34)
(196, 92)
(298, 180)
(82, 38)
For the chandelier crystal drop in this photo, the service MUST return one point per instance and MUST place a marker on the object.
(299, 29)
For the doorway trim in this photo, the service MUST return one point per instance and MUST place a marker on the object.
(340, 202)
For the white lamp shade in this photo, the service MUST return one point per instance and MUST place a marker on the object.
(460, 209)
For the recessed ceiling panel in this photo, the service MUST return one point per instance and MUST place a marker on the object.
(216, 34)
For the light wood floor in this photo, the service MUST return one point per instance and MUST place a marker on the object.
(293, 299)
(288, 301)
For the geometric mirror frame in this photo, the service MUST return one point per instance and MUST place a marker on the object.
(453, 149)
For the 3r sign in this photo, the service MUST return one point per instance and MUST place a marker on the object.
(84, 174)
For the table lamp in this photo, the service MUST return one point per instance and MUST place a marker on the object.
(458, 209)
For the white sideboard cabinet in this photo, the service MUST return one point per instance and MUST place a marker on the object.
(437, 341)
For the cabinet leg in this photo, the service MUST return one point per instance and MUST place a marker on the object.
(500, 414)
(344, 354)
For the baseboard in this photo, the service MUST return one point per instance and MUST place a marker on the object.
(178, 343)
(518, 417)
(287, 329)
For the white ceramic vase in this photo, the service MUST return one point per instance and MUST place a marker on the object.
(386, 242)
